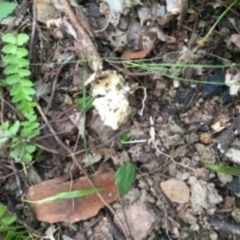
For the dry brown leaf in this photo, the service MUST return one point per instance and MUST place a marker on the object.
(235, 38)
(77, 209)
(136, 55)
(145, 43)
(45, 10)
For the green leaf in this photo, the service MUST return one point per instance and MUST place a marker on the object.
(9, 131)
(22, 39)
(8, 37)
(223, 169)
(30, 148)
(10, 49)
(66, 195)
(14, 128)
(10, 235)
(9, 220)
(29, 91)
(21, 52)
(3, 228)
(12, 79)
(125, 177)
(16, 97)
(6, 8)
(10, 59)
(125, 137)
(11, 69)
(85, 104)
(3, 210)
(26, 83)
(22, 62)
(27, 158)
(24, 72)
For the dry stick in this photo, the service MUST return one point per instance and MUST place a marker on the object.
(17, 177)
(55, 82)
(34, 24)
(54, 88)
(102, 144)
(80, 167)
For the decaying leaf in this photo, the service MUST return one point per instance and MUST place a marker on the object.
(77, 209)
(138, 54)
(45, 10)
(174, 6)
(235, 38)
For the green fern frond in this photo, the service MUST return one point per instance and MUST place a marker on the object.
(21, 90)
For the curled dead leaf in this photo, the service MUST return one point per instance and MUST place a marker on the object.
(137, 55)
(235, 38)
(72, 210)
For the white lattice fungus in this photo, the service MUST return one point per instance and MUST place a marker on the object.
(232, 80)
(111, 92)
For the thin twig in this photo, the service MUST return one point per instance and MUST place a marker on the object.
(34, 23)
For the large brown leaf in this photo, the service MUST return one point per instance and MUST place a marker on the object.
(73, 210)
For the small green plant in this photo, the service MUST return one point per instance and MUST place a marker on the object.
(9, 230)
(85, 104)
(66, 195)
(22, 93)
(223, 169)
(125, 177)
(125, 137)
(6, 8)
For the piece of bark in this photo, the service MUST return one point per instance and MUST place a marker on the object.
(73, 210)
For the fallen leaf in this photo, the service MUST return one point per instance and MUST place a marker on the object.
(176, 190)
(45, 10)
(174, 6)
(137, 55)
(77, 209)
(235, 38)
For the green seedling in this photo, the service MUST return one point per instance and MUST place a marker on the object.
(66, 195)
(125, 137)
(85, 104)
(125, 177)
(223, 169)
(9, 229)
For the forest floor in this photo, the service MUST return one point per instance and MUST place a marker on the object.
(171, 72)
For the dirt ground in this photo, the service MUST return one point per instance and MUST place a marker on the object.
(176, 59)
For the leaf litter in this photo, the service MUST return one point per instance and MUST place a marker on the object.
(193, 124)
